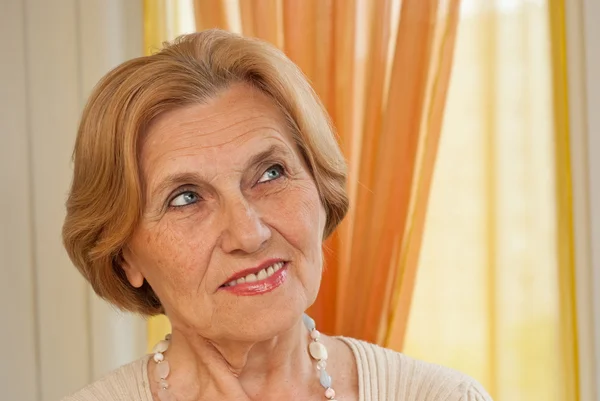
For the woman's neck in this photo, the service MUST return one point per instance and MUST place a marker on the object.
(207, 369)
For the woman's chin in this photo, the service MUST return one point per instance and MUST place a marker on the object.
(260, 323)
(248, 314)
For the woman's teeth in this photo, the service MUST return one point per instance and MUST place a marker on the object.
(261, 275)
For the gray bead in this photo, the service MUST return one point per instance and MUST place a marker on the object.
(308, 322)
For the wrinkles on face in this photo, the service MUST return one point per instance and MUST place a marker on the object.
(177, 157)
(240, 123)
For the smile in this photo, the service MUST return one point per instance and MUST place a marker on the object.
(263, 281)
(261, 275)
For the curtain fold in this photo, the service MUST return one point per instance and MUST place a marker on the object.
(211, 14)
(341, 103)
(263, 19)
(376, 65)
(155, 25)
(564, 195)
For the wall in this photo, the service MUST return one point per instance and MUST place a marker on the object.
(56, 334)
(592, 68)
(583, 63)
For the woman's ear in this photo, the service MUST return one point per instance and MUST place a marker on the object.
(129, 266)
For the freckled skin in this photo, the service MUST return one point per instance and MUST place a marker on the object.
(240, 217)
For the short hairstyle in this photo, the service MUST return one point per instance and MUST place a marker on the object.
(105, 202)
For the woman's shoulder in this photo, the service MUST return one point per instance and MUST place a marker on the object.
(125, 383)
(389, 375)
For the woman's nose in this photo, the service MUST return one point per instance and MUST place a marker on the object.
(244, 231)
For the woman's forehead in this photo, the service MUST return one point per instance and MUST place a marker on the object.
(232, 116)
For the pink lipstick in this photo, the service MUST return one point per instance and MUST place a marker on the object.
(259, 280)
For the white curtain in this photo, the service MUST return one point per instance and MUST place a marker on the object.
(56, 335)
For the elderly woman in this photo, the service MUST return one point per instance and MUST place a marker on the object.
(206, 178)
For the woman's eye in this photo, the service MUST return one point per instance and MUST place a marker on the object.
(272, 173)
(184, 199)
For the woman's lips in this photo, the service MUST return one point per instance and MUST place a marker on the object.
(262, 285)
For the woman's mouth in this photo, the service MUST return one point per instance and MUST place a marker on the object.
(263, 281)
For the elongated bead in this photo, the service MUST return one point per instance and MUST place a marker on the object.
(325, 379)
(309, 322)
(162, 370)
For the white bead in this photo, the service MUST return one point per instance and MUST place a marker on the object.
(158, 357)
(160, 346)
(318, 351)
(315, 335)
(321, 365)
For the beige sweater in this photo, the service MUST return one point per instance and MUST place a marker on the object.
(383, 375)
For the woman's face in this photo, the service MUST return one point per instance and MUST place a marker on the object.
(227, 195)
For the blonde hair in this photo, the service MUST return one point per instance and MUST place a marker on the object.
(105, 202)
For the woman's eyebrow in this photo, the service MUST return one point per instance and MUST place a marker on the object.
(273, 150)
(176, 179)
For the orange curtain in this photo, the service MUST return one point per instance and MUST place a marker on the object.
(382, 68)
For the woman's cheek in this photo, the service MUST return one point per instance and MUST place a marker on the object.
(177, 246)
(304, 203)
(295, 214)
